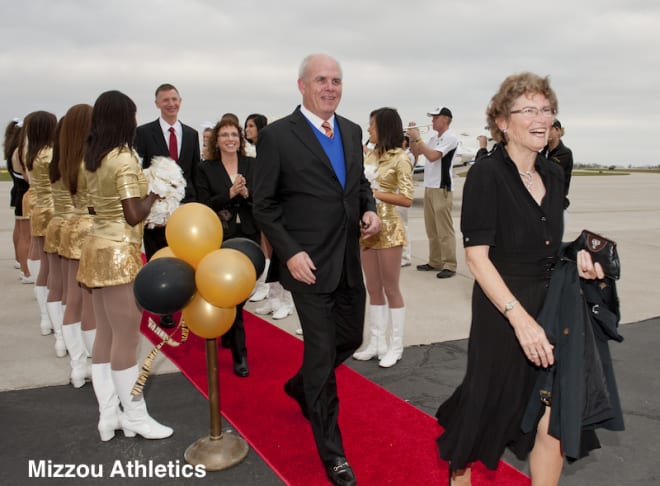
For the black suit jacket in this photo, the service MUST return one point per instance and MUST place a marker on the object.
(150, 142)
(213, 184)
(300, 205)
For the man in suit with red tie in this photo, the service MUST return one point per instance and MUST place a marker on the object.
(312, 201)
(168, 137)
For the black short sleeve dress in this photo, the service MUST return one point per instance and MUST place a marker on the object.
(483, 415)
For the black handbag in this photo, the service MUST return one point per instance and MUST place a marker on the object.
(601, 249)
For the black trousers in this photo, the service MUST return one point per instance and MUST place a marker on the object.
(332, 327)
(235, 337)
(154, 239)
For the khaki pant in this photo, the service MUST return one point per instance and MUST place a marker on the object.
(440, 228)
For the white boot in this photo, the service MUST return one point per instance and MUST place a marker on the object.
(136, 419)
(56, 316)
(33, 267)
(377, 340)
(285, 308)
(41, 294)
(261, 287)
(76, 347)
(88, 338)
(106, 396)
(396, 347)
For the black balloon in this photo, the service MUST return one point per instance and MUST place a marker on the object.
(250, 249)
(164, 285)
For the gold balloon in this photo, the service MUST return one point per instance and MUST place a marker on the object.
(165, 252)
(207, 320)
(192, 231)
(225, 277)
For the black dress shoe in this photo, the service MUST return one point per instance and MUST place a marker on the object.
(425, 268)
(167, 322)
(339, 472)
(299, 397)
(445, 273)
(241, 368)
(225, 342)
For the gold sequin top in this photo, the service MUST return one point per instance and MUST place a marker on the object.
(39, 179)
(393, 175)
(110, 254)
(62, 202)
(81, 199)
(119, 177)
(42, 211)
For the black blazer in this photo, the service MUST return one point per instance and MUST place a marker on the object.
(150, 142)
(213, 185)
(300, 205)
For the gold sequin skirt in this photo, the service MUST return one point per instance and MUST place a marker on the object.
(105, 263)
(39, 219)
(53, 235)
(392, 233)
(74, 232)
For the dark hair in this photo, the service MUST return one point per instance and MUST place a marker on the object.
(113, 126)
(39, 130)
(11, 140)
(212, 150)
(390, 129)
(260, 121)
(73, 134)
(166, 87)
(54, 166)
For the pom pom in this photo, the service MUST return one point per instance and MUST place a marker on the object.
(371, 172)
(166, 179)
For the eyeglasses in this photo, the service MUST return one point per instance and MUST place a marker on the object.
(533, 112)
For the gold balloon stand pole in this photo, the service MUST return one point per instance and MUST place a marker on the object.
(219, 450)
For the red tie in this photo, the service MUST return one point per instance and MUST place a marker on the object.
(174, 148)
(328, 131)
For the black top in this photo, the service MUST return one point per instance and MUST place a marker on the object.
(562, 155)
(499, 211)
(213, 185)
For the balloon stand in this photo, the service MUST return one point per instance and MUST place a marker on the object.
(219, 450)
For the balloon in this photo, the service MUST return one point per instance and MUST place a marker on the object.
(207, 320)
(250, 249)
(163, 252)
(192, 231)
(225, 277)
(164, 286)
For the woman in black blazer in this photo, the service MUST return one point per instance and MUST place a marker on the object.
(224, 184)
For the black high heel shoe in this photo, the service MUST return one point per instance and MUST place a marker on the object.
(241, 367)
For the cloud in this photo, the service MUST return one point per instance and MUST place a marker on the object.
(243, 57)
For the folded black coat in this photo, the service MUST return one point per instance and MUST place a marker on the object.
(579, 317)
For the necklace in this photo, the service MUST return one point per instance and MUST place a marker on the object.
(528, 178)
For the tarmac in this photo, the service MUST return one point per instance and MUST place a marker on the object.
(42, 417)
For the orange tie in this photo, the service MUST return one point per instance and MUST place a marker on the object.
(328, 131)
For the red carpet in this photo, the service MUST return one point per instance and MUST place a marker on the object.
(387, 440)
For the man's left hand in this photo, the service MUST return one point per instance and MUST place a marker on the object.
(370, 224)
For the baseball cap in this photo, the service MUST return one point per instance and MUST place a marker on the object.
(440, 111)
(556, 124)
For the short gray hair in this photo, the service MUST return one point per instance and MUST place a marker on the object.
(305, 63)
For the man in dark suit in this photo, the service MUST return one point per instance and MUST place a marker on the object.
(312, 201)
(168, 137)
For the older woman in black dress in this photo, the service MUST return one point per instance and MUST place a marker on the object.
(512, 226)
(223, 184)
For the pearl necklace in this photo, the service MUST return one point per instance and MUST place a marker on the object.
(528, 178)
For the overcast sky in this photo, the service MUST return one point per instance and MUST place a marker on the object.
(603, 58)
